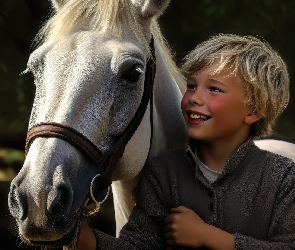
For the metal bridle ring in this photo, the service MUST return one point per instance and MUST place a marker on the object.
(96, 202)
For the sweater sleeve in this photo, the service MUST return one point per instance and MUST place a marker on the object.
(145, 227)
(282, 229)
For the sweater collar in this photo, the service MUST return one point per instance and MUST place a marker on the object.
(233, 162)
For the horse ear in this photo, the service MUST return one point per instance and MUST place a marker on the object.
(150, 8)
(58, 3)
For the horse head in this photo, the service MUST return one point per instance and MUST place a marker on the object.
(90, 75)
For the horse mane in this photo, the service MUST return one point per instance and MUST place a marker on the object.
(107, 16)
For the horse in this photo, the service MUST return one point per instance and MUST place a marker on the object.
(89, 74)
(96, 119)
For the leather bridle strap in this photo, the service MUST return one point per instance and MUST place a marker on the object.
(66, 133)
(107, 160)
(117, 152)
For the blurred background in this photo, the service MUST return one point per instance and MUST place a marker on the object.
(184, 24)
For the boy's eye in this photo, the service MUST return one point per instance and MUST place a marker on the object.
(191, 86)
(215, 89)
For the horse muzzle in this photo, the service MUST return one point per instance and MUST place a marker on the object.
(46, 196)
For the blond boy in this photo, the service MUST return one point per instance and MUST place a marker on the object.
(221, 191)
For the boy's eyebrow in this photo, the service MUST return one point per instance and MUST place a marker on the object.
(216, 81)
(210, 80)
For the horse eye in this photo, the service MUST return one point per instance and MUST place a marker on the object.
(133, 74)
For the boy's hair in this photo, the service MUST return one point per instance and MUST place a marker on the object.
(261, 71)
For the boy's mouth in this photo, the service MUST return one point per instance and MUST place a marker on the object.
(195, 116)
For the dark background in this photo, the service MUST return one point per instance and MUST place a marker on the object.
(184, 24)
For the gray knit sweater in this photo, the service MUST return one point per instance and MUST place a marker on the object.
(254, 199)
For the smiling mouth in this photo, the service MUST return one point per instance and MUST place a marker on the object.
(198, 117)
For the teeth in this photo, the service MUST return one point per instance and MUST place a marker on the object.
(196, 116)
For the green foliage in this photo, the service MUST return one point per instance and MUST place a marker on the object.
(10, 156)
(19, 22)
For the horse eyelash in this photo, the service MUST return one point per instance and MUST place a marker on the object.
(27, 70)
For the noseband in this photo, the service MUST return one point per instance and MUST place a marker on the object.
(106, 160)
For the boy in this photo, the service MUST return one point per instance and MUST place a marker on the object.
(221, 191)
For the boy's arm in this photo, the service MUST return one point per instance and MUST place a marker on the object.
(281, 233)
(217, 239)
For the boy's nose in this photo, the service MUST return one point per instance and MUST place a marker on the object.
(196, 98)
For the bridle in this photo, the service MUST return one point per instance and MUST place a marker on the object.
(107, 160)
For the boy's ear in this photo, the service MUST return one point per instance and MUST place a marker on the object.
(252, 118)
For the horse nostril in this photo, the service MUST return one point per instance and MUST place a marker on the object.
(59, 200)
(17, 203)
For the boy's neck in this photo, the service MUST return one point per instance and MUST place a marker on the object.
(215, 155)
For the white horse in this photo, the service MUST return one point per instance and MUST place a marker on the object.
(90, 76)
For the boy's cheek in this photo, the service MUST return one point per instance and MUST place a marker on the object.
(184, 113)
(184, 102)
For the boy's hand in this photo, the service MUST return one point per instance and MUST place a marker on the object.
(184, 228)
(87, 239)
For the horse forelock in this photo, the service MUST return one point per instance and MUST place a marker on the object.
(113, 17)
(95, 15)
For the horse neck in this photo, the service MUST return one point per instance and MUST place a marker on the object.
(169, 132)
